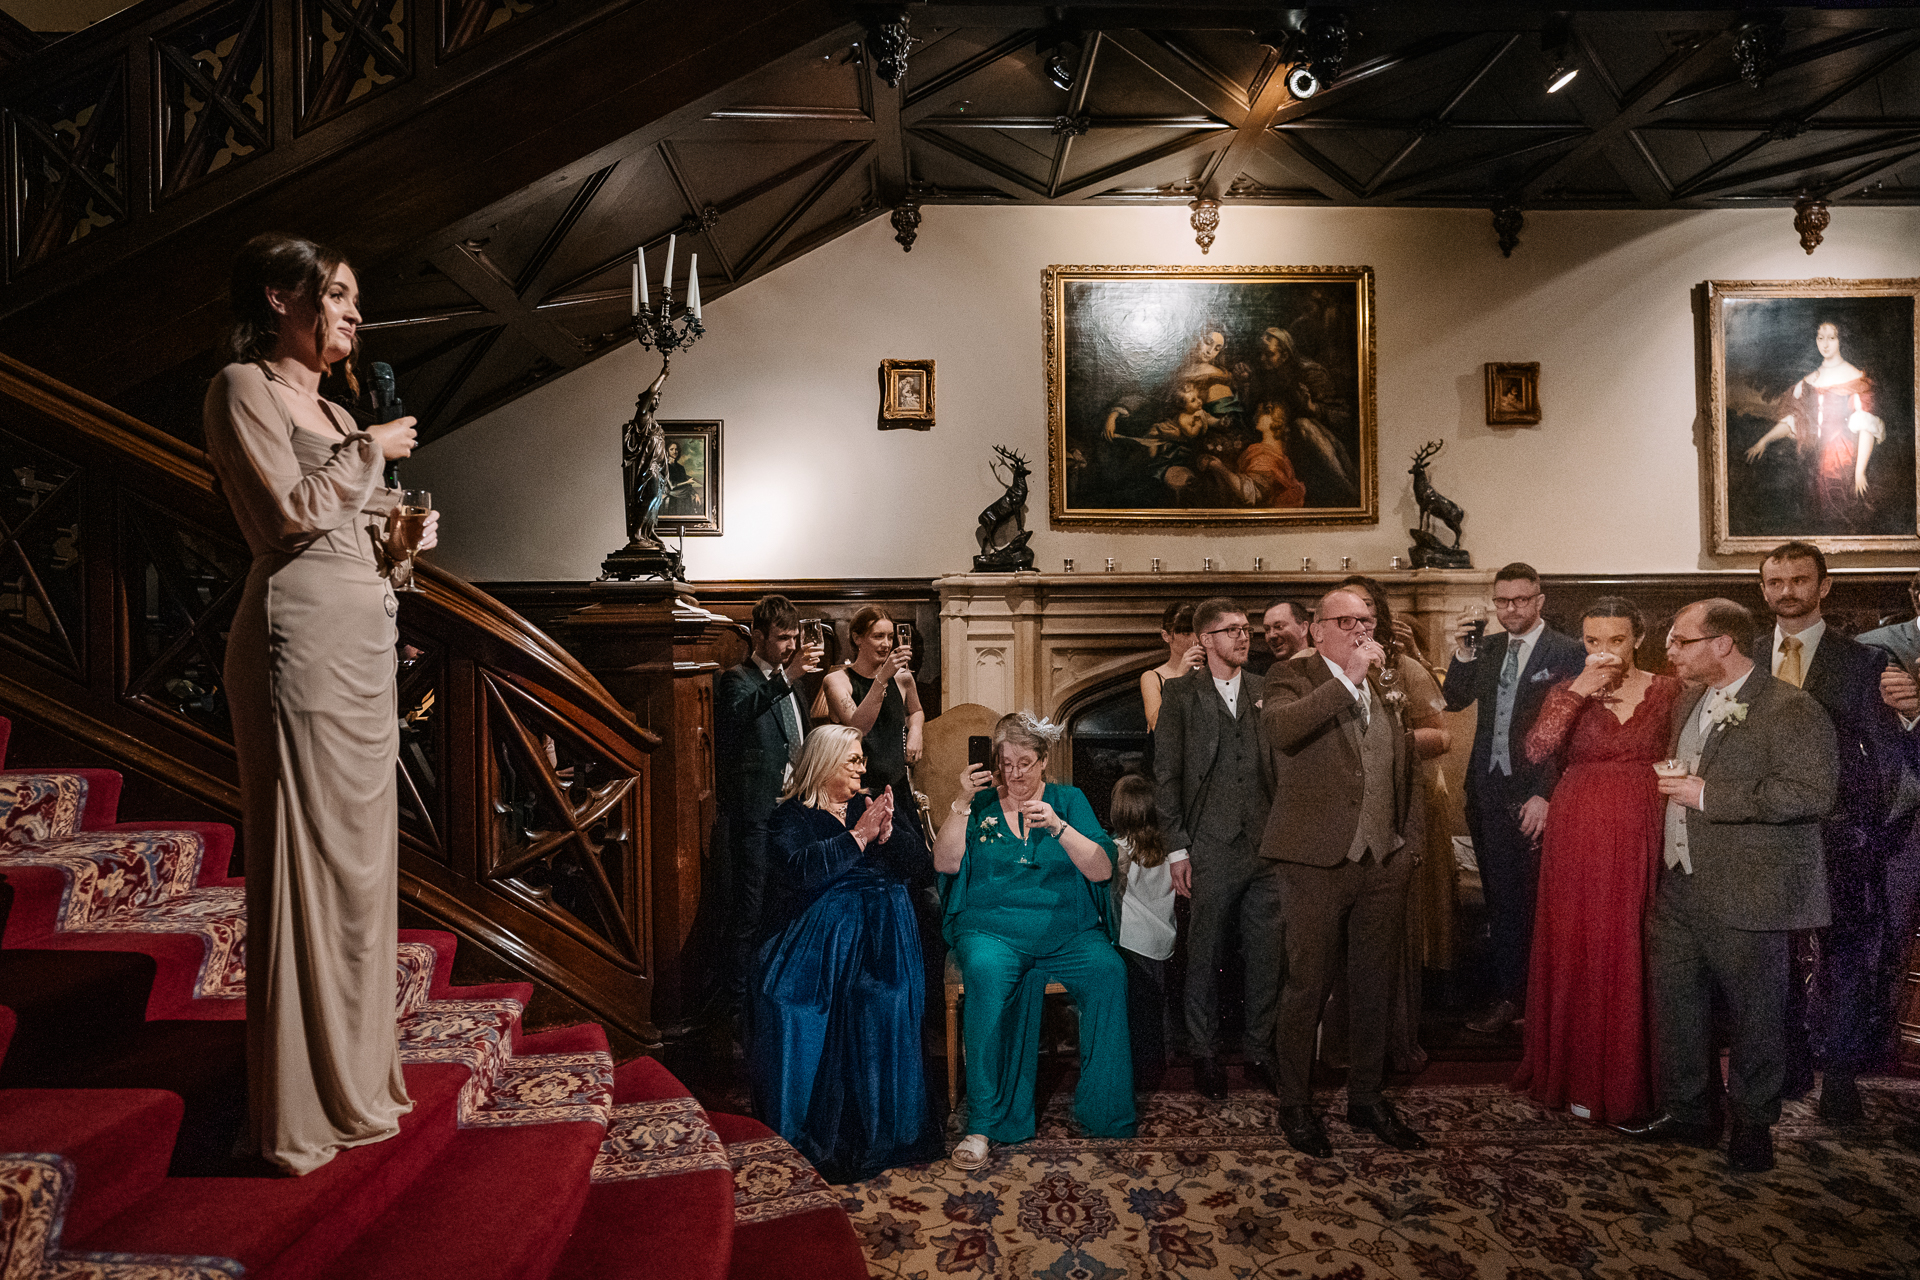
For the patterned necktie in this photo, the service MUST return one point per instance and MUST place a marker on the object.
(1790, 668)
(1510, 670)
(789, 723)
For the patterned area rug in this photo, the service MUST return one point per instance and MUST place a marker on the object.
(1508, 1192)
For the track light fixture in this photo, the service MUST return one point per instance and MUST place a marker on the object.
(1059, 73)
(1301, 82)
(1556, 38)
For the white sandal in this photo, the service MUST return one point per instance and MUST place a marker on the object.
(972, 1151)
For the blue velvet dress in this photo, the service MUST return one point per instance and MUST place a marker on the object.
(838, 993)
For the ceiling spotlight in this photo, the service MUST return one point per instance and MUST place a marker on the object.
(1059, 73)
(1301, 82)
(1560, 77)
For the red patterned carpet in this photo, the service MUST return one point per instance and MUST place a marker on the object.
(1508, 1192)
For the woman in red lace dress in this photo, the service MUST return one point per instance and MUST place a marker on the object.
(1586, 1046)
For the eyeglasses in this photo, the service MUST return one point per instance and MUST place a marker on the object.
(1236, 632)
(860, 761)
(1007, 766)
(1514, 602)
(1349, 621)
(1681, 642)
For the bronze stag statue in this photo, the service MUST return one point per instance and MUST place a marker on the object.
(1003, 531)
(1428, 551)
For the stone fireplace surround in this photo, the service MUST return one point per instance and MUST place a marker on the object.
(1052, 642)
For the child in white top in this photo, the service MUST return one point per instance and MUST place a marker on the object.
(1143, 891)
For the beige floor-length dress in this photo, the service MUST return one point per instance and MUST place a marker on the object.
(310, 681)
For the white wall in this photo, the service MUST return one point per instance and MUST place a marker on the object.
(1609, 482)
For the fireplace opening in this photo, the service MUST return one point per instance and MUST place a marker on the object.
(1109, 737)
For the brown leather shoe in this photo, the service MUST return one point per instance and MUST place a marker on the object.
(1304, 1132)
(1497, 1019)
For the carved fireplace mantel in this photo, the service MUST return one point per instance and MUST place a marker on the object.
(1047, 642)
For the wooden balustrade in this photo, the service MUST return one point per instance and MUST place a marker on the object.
(528, 793)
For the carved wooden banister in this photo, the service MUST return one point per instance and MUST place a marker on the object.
(525, 786)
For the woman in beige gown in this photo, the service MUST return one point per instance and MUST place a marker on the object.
(310, 681)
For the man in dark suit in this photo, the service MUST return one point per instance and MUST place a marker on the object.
(1843, 676)
(1506, 795)
(1741, 869)
(758, 725)
(1212, 791)
(1342, 764)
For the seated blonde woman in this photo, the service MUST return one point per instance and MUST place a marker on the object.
(1024, 864)
(839, 988)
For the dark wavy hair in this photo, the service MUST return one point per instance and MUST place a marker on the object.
(276, 260)
(1618, 607)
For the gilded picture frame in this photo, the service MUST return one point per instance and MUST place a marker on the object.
(1513, 395)
(692, 507)
(906, 394)
(1226, 396)
(1810, 413)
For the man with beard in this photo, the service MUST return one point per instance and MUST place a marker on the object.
(1843, 676)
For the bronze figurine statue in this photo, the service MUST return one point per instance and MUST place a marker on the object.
(1428, 551)
(1003, 532)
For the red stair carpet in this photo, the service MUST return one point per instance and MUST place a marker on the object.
(527, 1155)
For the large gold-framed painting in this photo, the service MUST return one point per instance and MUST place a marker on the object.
(1211, 395)
(1811, 413)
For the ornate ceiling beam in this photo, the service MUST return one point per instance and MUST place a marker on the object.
(783, 230)
(1812, 53)
(1004, 177)
(1116, 174)
(1611, 122)
(1875, 151)
(1268, 94)
(696, 208)
(1397, 192)
(1353, 77)
(1071, 125)
(1225, 102)
(1421, 130)
(1864, 177)
(1298, 156)
(1698, 184)
(468, 266)
(918, 100)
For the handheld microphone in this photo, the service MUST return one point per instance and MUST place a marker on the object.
(386, 404)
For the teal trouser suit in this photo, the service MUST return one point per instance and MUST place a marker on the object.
(1020, 915)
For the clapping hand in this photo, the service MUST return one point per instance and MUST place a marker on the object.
(877, 822)
(1898, 690)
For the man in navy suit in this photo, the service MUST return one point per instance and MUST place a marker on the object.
(759, 723)
(1843, 676)
(1506, 794)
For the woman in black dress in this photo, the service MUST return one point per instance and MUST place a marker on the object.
(877, 695)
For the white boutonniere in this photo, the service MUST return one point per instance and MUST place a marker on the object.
(1728, 713)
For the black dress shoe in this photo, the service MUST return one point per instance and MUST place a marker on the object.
(1304, 1132)
(1261, 1075)
(1388, 1127)
(1497, 1019)
(1209, 1078)
(1840, 1098)
(1665, 1128)
(1750, 1150)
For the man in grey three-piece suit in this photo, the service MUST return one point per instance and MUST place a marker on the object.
(1741, 869)
(1212, 790)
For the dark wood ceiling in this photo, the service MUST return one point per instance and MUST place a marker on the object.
(503, 261)
(1434, 105)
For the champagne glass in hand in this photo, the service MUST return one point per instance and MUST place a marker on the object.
(410, 524)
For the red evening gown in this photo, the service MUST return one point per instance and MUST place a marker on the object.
(1587, 1043)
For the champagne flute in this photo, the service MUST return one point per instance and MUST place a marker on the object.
(410, 525)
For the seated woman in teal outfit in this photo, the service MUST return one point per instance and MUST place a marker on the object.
(839, 987)
(1023, 866)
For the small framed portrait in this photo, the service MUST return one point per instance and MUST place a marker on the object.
(693, 478)
(1513, 395)
(906, 394)
(1810, 414)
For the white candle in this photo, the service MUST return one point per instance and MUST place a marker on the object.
(666, 277)
(636, 289)
(640, 275)
(693, 284)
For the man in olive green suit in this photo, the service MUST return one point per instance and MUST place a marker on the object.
(1741, 869)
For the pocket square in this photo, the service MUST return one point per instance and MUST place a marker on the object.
(1539, 676)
